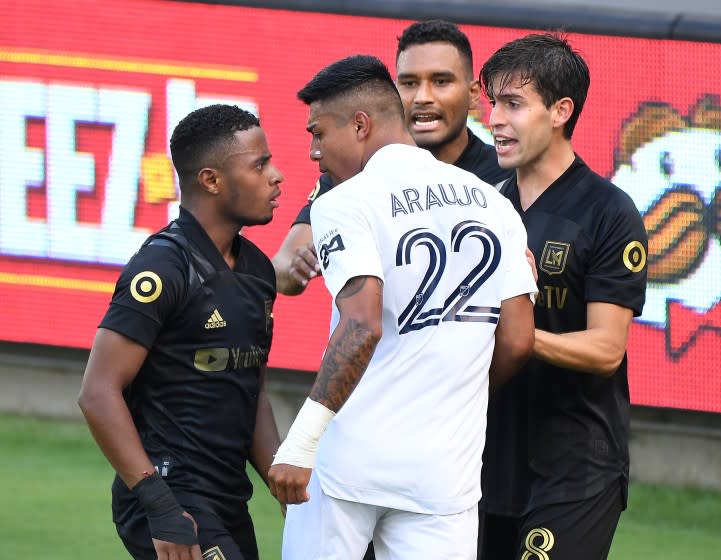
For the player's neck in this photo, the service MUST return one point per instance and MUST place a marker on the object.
(221, 232)
(536, 176)
(383, 137)
(451, 151)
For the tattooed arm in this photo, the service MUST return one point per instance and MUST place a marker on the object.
(352, 343)
(349, 351)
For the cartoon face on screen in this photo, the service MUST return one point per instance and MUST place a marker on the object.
(671, 167)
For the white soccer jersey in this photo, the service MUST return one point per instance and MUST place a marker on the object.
(449, 248)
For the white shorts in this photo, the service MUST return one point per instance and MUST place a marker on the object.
(326, 528)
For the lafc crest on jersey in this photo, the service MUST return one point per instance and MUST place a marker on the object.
(213, 554)
(554, 257)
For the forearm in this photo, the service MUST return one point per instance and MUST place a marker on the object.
(349, 352)
(591, 351)
(112, 427)
(113, 364)
(504, 365)
(265, 438)
(346, 358)
(513, 339)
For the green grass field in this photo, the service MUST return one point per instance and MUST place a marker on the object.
(55, 498)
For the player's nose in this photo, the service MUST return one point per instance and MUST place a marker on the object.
(423, 93)
(496, 117)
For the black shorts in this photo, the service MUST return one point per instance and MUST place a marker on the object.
(566, 531)
(217, 542)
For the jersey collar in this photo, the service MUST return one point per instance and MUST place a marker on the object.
(566, 181)
(199, 237)
(389, 155)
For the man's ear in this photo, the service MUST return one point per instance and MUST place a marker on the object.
(362, 124)
(563, 111)
(208, 179)
(474, 91)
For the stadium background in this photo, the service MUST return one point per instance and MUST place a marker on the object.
(92, 90)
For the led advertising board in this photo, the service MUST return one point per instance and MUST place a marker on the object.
(91, 91)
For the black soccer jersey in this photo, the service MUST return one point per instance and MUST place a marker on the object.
(478, 158)
(556, 435)
(208, 330)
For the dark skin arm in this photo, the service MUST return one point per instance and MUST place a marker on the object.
(514, 339)
(113, 363)
(296, 263)
(265, 438)
(349, 351)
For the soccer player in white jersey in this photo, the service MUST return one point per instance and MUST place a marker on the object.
(426, 266)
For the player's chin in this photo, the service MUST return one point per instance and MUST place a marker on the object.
(505, 163)
(430, 140)
(509, 161)
(259, 219)
(266, 219)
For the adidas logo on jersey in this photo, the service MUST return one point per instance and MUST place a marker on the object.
(215, 321)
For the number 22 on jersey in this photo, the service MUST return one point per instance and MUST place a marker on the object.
(418, 314)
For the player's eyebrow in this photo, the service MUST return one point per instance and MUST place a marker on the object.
(435, 75)
(507, 96)
(263, 158)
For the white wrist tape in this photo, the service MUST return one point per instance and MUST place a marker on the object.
(301, 444)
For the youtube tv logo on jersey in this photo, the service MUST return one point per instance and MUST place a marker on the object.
(92, 91)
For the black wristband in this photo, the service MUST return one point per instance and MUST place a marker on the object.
(165, 516)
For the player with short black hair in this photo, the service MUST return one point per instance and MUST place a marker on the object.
(434, 75)
(434, 67)
(437, 31)
(362, 77)
(173, 390)
(556, 464)
(426, 267)
(204, 135)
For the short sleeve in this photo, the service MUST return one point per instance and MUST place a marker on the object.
(322, 186)
(518, 274)
(151, 287)
(617, 269)
(344, 242)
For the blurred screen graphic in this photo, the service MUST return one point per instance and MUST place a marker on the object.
(92, 90)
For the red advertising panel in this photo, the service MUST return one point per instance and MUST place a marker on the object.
(92, 90)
